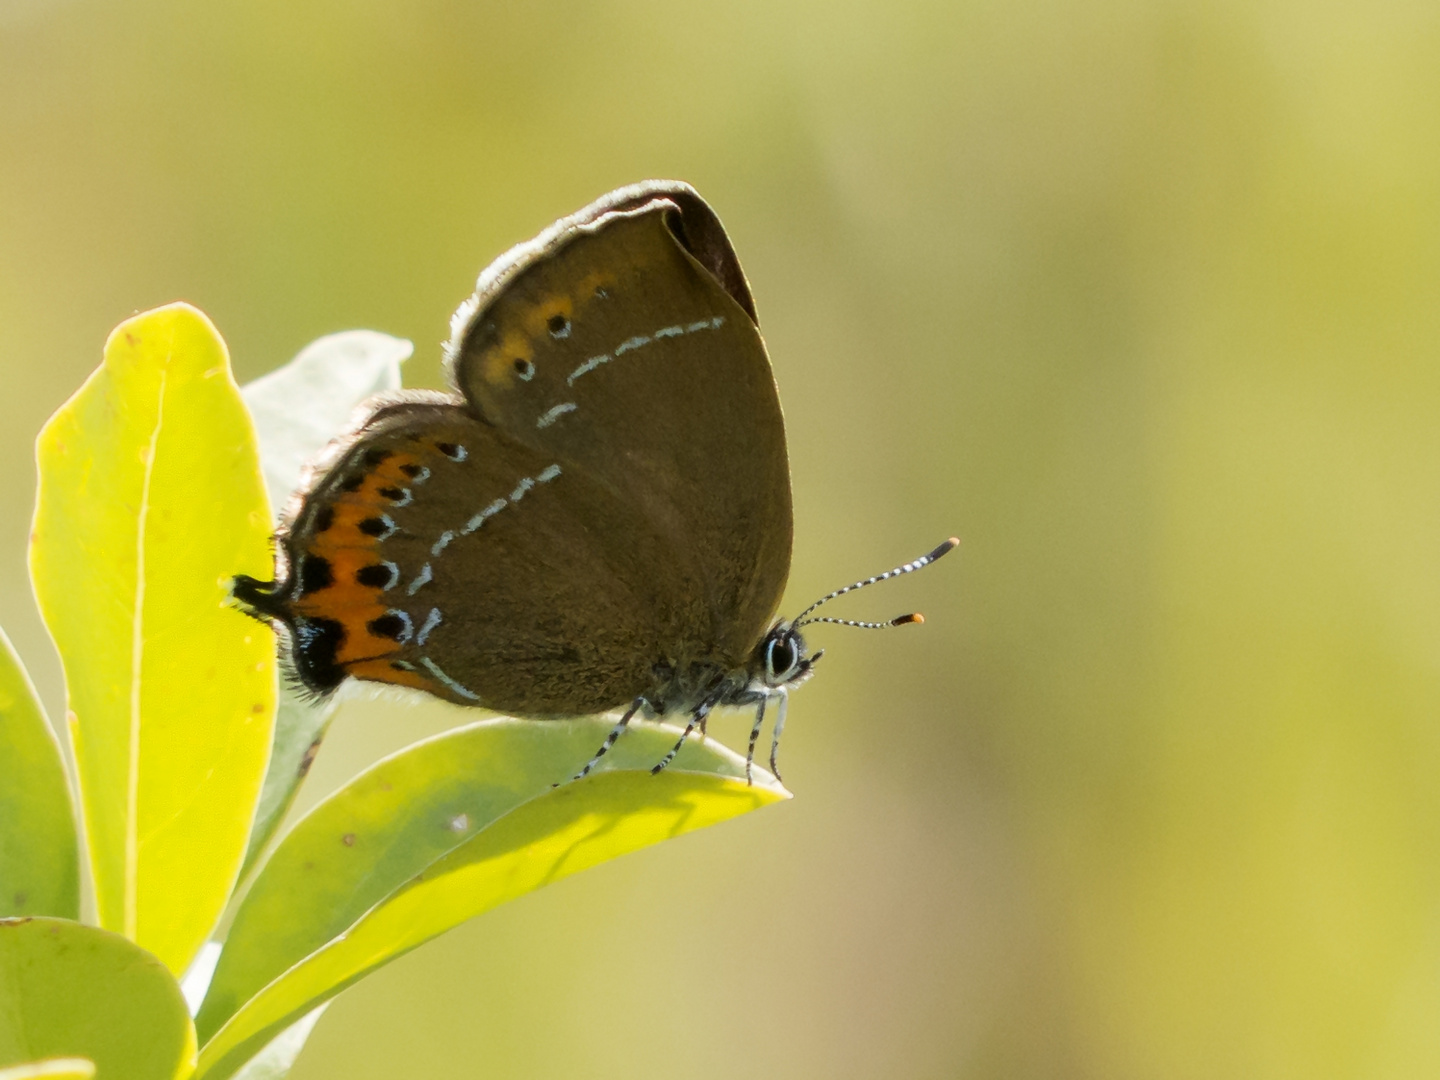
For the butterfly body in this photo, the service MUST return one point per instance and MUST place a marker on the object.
(599, 514)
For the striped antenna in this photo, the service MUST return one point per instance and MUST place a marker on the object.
(899, 620)
(909, 568)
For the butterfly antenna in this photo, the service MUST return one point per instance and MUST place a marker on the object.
(900, 620)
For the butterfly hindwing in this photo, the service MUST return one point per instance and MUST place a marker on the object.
(441, 555)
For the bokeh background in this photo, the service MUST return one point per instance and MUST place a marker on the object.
(1141, 300)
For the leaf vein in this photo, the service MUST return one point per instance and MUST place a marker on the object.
(137, 656)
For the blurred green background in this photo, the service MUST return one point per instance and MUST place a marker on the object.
(1140, 300)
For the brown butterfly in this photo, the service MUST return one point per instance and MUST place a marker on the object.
(598, 517)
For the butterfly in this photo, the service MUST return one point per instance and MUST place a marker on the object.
(597, 517)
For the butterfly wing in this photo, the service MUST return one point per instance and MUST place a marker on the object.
(622, 343)
(610, 495)
(438, 553)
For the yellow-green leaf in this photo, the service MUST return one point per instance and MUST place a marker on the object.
(66, 1068)
(72, 991)
(39, 864)
(435, 834)
(150, 500)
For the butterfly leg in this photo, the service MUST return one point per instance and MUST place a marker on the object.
(779, 727)
(754, 738)
(612, 738)
(697, 719)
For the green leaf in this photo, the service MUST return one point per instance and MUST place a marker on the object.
(68, 990)
(435, 834)
(300, 727)
(276, 1060)
(297, 410)
(66, 1068)
(39, 863)
(300, 407)
(150, 500)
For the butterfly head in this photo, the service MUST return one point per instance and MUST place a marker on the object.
(781, 658)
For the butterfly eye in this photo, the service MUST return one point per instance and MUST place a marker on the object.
(781, 659)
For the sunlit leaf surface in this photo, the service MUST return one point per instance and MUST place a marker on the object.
(66, 1068)
(150, 500)
(68, 990)
(39, 868)
(300, 725)
(440, 832)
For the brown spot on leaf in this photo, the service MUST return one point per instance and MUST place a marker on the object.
(309, 758)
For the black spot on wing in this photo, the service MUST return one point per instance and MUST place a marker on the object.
(389, 625)
(315, 645)
(378, 576)
(315, 573)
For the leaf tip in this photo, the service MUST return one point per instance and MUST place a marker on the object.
(178, 320)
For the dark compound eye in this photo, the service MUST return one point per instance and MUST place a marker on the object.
(781, 659)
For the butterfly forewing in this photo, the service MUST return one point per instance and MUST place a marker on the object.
(618, 353)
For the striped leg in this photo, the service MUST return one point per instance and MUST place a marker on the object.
(612, 738)
(697, 719)
(779, 727)
(754, 738)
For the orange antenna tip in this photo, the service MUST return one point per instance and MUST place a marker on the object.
(804, 618)
(913, 617)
